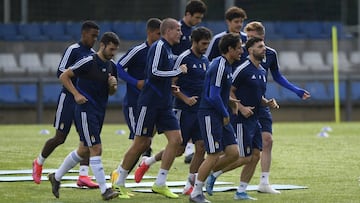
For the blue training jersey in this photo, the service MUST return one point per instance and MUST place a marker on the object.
(185, 40)
(159, 72)
(250, 83)
(270, 63)
(72, 54)
(134, 61)
(191, 83)
(92, 74)
(218, 76)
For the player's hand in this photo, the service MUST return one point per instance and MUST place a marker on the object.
(140, 84)
(247, 111)
(80, 99)
(112, 80)
(273, 104)
(183, 68)
(234, 105)
(191, 100)
(175, 89)
(306, 95)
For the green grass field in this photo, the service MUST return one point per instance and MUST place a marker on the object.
(329, 167)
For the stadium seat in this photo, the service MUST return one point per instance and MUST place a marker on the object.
(289, 30)
(140, 29)
(8, 64)
(216, 26)
(313, 30)
(288, 96)
(270, 31)
(51, 61)
(73, 29)
(105, 26)
(318, 91)
(32, 32)
(28, 93)
(315, 61)
(327, 26)
(31, 62)
(342, 90)
(355, 57)
(8, 94)
(51, 92)
(125, 30)
(355, 93)
(56, 31)
(344, 64)
(10, 32)
(290, 61)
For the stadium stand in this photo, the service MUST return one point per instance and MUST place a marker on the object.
(290, 62)
(125, 30)
(313, 30)
(51, 61)
(270, 31)
(27, 93)
(355, 90)
(355, 57)
(344, 63)
(105, 26)
(51, 92)
(289, 30)
(32, 32)
(10, 32)
(9, 66)
(32, 63)
(73, 29)
(342, 90)
(319, 91)
(8, 94)
(315, 61)
(272, 91)
(55, 31)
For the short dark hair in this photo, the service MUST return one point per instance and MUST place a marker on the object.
(153, 24)
(200, 33)
(195, 6)
(235, 12)
(250, 42)
(229, 40)
(109, 37)
(87, 25)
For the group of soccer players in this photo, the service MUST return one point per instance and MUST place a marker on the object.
(180, 82)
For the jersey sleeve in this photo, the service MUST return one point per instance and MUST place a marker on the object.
(158, 60)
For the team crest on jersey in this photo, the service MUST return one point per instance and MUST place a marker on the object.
(217, 145)
(144, 131)
(103, 70)
(253, 77)
(194, 66)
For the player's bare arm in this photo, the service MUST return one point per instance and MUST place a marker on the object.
(65, 79)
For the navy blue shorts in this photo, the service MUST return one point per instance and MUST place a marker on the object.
(265, 119)
(248, 134)
(89, 124)
(129, 114)
(189, 125)
(216, 136)
(148, 117)
(64, 116)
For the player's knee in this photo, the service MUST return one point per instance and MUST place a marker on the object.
(60, 137)
(255, 157)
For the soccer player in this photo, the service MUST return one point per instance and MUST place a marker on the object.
(96, 80)
(269, 63)
(155, 109)
(187, 103)
(194, 13)
(213, 116)
(66, 104)
(234, 17)
(135, 61)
